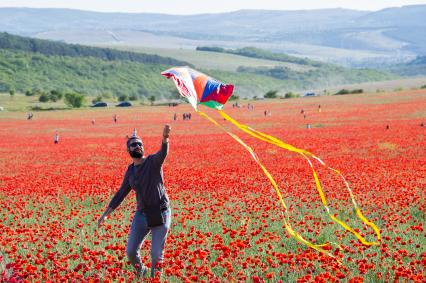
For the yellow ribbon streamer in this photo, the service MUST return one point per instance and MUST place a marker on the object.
(306, 155)
(287, 224)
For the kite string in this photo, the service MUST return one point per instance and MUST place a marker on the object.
(287, 224)
(306, 154)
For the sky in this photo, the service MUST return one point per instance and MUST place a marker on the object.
(188, 7)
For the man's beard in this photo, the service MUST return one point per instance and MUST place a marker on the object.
(136, 154)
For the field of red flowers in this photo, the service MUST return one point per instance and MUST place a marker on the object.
(227, 222)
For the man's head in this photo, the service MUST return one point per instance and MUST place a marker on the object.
(135, 147)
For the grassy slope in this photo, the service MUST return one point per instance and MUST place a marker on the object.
(214, 60)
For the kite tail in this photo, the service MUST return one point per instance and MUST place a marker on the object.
(287, 224)
(306, 155)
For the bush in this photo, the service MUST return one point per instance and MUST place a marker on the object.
(29, 93)
(97, 99)
(74, 100)
(345, 91)
(123, 97)
(133, 97)
(423, 86)
(291, 95)
(43, 98)
(55, 95)
(234, 97)
(271, 94)
(152, 99)
(342, 91)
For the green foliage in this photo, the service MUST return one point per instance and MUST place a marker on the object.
(345, 91)
(55, 95)
(212, 49)
(123, 97)
(291, 95)
(97, 99)
(53, 48)
(83, 75)
(90, 71)
(254, 52)
(152, 99)
(74, 100)
(271, 94)
(423, 87)
(133, 97)
(234, 97)
(12, 92)
(43, 97)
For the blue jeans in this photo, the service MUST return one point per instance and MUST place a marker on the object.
(138, 233)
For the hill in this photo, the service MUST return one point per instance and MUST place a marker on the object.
(31, 64)
(46, 47)
(342, 36)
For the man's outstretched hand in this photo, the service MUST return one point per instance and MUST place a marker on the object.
(166, 131)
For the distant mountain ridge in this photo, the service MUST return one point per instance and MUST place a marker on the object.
(333, 35)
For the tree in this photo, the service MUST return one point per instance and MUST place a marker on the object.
(234, 97)
(55, 95)
(97, 99)
(290, 95)
(271, 94)
(152, 99)
(133, 97)
(12, 92)
(123, 97)
(43, 98)
(74, 100)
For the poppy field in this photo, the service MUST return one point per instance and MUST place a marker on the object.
(227, 222)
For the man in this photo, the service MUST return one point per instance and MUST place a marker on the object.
(145, 176)
(56, 137)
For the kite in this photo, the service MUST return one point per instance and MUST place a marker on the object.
(199, 88)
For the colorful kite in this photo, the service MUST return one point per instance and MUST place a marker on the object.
(199, 88)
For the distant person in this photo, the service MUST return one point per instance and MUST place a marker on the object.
(308, 126)
(56, 137)
(302, 111)
(175, 117)
(153, 215)
(30, 116)
(387, 127)
(304, 115)
(422, 124)
(189, 116)
(265, 113)
(319, 108)
(115, 118)
(93, 121)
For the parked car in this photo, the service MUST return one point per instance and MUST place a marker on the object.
(310, 94)
(100, 104)
(124, 104)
